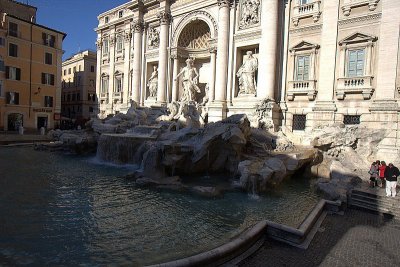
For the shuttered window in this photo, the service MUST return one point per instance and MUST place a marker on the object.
(303, 67)
(13, 73)
(47, 78)
(355, 66)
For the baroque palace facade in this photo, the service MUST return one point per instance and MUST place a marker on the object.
(321, 61)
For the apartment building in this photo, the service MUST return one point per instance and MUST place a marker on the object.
(78, 97)
(30, 69)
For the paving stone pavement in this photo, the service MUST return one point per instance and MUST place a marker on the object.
(357, 238)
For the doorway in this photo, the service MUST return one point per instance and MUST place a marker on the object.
(41, 122)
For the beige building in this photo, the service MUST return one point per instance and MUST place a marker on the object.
(78, 98)
(321, 61)
(30, 69)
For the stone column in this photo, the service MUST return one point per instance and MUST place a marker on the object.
(324, 108)
(127, 47)
(98, 74)
(165, 17)
(175, 84)
(268, 49)
(217, 110)
(111, 80)
(137, 56)
(385, 108)
(213, 57)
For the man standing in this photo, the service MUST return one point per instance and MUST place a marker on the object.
(391, 173)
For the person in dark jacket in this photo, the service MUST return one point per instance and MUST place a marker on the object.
(391, 173)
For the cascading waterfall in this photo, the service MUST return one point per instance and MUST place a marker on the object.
(121, 149)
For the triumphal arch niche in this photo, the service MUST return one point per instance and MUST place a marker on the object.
(194, 40)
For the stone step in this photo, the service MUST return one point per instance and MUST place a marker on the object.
(381, 194)
(377, 208)
(379, 200)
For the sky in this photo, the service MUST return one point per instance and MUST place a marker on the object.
(76, 18)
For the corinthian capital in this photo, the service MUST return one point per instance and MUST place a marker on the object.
(164, 17)
(224, 3)
(138, 26)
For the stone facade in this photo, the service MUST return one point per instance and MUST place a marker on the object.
(322, 62)
(78, 98)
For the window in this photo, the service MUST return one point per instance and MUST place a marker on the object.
(351, 119)
(120, 14)
(78, 96)
(12, 50)
(48, 101)
(47, 78)
(13, 73)
(299, 122)
(69, 71)
(74, 69)
(118, 84)
(13, 29)
(105, 46)
(2, 41)
(48, 39)
(65, 72)
(303, 2)
(106, 19)
(13, 98)
(48, 59)
(91, 97)
(73, 97)
(302, 68)
(79, 68)
(91, 83)
(355, 67)
(119, 43)
(90, 109)
(68, 97)
(104, 85)
(92, 68)
(1, 88)
(2, 68)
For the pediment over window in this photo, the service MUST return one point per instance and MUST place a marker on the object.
(104, 75)
(358, 38)
(303, 45)
(117, 73)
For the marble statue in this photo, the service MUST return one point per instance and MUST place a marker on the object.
(246, 75)
(250, 13)
(152, 83)
(189, 80)
(154, 38)
(206, 97)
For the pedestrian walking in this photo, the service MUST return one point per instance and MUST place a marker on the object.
(391, 174)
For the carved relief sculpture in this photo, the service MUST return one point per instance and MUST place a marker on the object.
(152, 83)
(154, 38)
(246, 75)
(250, 13)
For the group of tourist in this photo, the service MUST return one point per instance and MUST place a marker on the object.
(382, 174)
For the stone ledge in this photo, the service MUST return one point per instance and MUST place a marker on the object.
(298, 237)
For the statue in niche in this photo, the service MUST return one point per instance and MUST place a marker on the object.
(250, 13)
(246, 75)
(152, 83)
(189, 81)
(154, 37)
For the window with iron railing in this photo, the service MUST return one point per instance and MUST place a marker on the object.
(351, 119)
(299, 122)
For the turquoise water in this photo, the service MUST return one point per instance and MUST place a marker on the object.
(68, 210)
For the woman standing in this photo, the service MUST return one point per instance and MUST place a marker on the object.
(382, 168)
(373, 171)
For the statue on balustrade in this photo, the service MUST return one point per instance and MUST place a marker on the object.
(246, 75)
(152, 83)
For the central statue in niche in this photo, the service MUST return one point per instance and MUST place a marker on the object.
(246, 75)
(189, 81)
